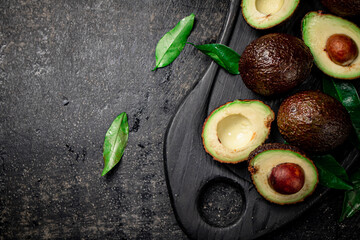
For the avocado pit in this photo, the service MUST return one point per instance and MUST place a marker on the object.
(341, 49)
(287, 178)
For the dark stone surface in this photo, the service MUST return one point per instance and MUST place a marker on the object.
(67, 69)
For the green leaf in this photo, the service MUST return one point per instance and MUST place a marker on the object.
(346, 93)
(173, 42)
(115, 142)
(329, 88)
(222, 55)
(331, 173)
(351, 202)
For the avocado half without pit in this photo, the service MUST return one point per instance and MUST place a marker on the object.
(334, 42)
(235, 129)
(275, 63)
(282, 174)
(313, 121)
(264, 14)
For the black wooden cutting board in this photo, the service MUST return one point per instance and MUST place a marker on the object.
(218, 201)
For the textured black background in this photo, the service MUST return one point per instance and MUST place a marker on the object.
(67, 69)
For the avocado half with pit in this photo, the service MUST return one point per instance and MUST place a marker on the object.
(334, 42)
(235, 129)
(264, 14)
(282, 174)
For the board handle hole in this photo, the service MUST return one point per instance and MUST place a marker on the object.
(221, 202)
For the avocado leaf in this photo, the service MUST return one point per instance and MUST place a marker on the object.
(115, 142)
(222, 55)
(173, 42)
(346, 93)
(329, 87)
(351, 202)
(331, 173)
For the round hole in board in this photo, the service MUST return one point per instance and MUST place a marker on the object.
(221, 202)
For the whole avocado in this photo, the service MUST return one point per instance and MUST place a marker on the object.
(275, 63)
(313, 121)
(343, 8)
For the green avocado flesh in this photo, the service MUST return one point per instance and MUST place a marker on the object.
(316, 30)
(235, 129)
(263, 14)
(262, 165)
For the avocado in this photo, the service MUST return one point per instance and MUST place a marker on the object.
(275, 63)
(233, 130)
(313, 121)
(334, 42)
(344, 8)
(264, 14)
(282, 174)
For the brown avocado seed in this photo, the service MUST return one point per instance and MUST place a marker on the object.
(341, 49)
(287, 178)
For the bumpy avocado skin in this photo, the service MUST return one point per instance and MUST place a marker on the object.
(313, 121)
(343, 8)
(275, 63)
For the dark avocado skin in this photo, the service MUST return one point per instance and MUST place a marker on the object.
(275, 63)
(313, 121)
(343, 8)
(272, 146)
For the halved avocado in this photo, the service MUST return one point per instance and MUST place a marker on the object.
(264, 14)
(235, 129)
(330, 38)
(282, 174)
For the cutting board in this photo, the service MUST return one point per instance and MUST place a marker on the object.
(218, 201)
